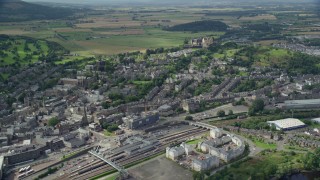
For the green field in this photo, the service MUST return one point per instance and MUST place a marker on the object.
(22, 51)
(262, 55)
(150, 39)
(106, 37)
(114, 177)
(259, 166)
(141, 82)
(195, 141)
(4, 76)
(264, 145)
(107, 133)
(139, 28)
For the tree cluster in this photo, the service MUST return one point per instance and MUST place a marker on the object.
(199, 26)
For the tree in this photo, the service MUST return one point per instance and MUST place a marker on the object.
(257, 106)
(105, 105)
(21, 97)
(230, 112)
(221, 113)
(311, 160)
(198, 176)
(53, 121)
(271, 169)
(273, 128)
(189, 118)
(110, 127)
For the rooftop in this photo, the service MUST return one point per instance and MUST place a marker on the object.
(287, 123)
(306, 101)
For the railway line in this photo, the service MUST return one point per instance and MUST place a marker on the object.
(98, 167)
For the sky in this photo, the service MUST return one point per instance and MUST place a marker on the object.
(156, 1)
(163, 3)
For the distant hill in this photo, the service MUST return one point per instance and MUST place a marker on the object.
(17, 10)
(199, 26)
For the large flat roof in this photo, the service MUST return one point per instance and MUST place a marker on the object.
(316, 120)
(305, 101)
(287, 123)
(1, 162)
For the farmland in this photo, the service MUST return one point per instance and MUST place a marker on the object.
(120, 29)
(125, 30)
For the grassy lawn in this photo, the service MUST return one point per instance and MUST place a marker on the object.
(264, 56)
(297, 148)
(195, 141)
(70, 155)
(4, 76)
(228, 53)
(107, 133)
(114, 177)
(259, 164)
(68, 59)
(141, 82)
(22, 56)
(150, 38)
(264, 145)
(261, 144)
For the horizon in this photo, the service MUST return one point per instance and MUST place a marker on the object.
(176, 2)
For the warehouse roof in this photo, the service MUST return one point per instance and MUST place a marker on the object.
(305, 101)
(287, 123)
(316, 120)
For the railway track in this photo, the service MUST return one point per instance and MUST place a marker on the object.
(173, 134)
(99, 167)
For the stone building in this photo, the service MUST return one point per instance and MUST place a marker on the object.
(205, 163)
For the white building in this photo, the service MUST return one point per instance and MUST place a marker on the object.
(206, 163)
(317, 120)
(175, 152)
(205, 146)
(287, 124)
(215, 133)
(228, 155)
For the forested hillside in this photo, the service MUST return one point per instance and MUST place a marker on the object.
(17, 10)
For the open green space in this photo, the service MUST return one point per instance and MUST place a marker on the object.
(141, 82)
(152, 38)
(20, 51)
(267, 164)
(194, 141)
(262, 55)
(70, 155)
(4, 76)
(295, 148)
(264, 145)
(107, 133)
(114, 177)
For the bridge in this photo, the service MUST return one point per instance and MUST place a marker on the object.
(122, 171)
(203, 125)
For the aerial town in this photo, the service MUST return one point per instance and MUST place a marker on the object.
(222, 105)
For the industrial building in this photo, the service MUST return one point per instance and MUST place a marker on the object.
(1, 166)
(316, 120)
(146, 118)
(136, 145)
(302, 104)
(287, 124)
